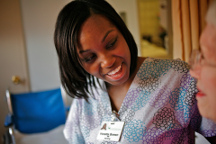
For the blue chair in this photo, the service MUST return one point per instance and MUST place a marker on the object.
(34, 112)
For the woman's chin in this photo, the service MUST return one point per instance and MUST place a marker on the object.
(203, 108)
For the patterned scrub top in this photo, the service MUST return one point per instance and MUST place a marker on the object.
(159, 107)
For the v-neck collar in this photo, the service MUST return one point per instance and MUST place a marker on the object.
(105, 101)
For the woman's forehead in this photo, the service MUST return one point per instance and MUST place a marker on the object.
(95, 28)
(96, 22)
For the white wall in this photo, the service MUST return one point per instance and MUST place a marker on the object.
(130, 7)
(39, 17)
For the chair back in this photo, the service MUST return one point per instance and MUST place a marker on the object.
(36, 112)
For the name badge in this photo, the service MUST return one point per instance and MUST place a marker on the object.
(110, 131)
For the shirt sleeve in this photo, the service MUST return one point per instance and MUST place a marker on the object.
(72, 127)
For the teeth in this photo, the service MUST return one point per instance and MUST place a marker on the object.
(114, 71)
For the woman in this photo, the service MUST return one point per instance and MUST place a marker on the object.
(204, 66)
(136, 100)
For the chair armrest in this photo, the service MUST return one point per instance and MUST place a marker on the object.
(8, 120)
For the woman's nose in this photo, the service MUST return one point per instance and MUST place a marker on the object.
(107, 61)
(195, 72)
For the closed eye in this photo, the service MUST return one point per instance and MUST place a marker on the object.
(90, 58)
(112, 43)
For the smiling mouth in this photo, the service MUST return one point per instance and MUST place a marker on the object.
(115, 71)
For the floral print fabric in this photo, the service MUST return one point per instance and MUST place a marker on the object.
(160, 107)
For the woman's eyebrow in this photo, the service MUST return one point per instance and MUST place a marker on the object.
(83, 51)
(106, 35)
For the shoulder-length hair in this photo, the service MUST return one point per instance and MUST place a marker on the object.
(74, 78)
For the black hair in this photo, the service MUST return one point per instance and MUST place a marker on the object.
(74, 78)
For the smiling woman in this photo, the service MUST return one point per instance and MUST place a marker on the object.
(146, 98)
(103, 50)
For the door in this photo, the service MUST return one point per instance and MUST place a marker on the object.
(12, 53)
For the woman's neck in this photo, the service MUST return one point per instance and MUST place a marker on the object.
(118, 93)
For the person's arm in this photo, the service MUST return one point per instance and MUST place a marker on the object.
(72, 130)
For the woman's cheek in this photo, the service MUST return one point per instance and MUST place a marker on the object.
(208, 80)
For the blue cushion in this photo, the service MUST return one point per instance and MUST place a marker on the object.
(36, 112)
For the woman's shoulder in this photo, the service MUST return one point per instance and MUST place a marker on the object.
(175, 64)
(153, 67)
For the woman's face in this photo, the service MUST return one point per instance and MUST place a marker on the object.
(103, 50)
(206, 73)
